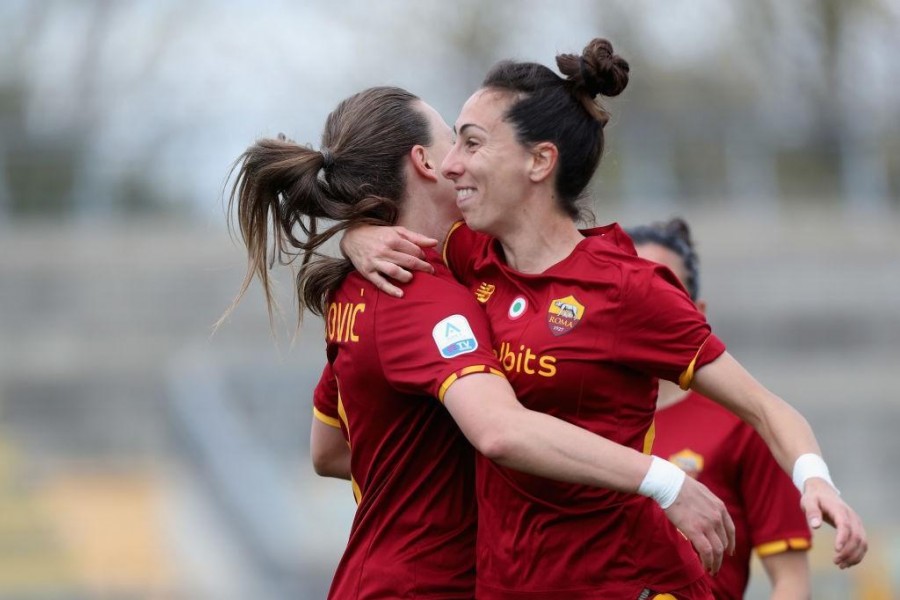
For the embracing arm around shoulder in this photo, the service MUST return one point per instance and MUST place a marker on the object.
(491, 417)
(789, 437)
(329, 450)
(381, 254)
(789, 574)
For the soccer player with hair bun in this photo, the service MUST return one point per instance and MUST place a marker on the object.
(584, 329)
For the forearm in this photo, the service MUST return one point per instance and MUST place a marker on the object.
(549, 447)
(785, 431)
(489, 415)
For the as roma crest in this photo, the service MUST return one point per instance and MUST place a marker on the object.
(689, 461)
(564, 314)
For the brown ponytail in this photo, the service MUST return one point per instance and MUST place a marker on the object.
(357, 178)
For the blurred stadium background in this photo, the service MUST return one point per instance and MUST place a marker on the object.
(142, 457)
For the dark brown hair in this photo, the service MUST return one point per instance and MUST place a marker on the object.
(564, 111)
(675, 235)
(357, 177)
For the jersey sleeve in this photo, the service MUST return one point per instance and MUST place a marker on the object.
(771, 502)
(325, 398)
(433, 336)
(659, 331)
(460, 248)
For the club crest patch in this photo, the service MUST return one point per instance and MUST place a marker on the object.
(688, 461)
(454, 336)
(564, 314)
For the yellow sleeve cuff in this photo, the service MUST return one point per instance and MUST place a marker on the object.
(687, 376)
(779, 546)
(325, 418)
(462, 373)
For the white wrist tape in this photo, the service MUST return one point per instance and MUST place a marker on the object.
(662, 482)
(811, 465)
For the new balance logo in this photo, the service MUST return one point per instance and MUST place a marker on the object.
(484, 291)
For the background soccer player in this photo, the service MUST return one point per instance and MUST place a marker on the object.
(726, 454)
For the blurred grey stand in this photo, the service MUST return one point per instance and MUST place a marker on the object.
(239, 478)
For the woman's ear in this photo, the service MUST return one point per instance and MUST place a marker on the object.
(422, 163)
(544, 157)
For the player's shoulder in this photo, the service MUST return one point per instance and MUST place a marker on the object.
(439, 287)
(610, 245)
(608, 254)
(460, 231)
(610, 237)
(613, 246)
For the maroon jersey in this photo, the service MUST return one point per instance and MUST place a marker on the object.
(732, 460)
(413, 535)
(583, 341)
(325, 399)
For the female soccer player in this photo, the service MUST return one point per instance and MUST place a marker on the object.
(400, 372)
(606, 324)
(721, 451)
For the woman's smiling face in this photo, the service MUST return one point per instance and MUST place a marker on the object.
(487, 164)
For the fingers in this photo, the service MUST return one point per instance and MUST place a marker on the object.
(705, 521)
(403, 246)
(707, 556)
(724, 540)
(720, 536)
(840, 522)
(379, 281)
(813, 514)
(822, 503)
(850, 544)
(730, 537)
(718, 553)
(711, 550)
(720, 556)
(407, 261)
(416, 238)
(383, 271)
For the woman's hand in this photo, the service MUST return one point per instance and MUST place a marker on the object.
(704, 520)
(383, 253)
(821, 502)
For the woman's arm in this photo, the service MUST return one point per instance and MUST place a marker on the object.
(489, 415)
(329, 450)
(789, 575)
(380, 253)
(788, 436)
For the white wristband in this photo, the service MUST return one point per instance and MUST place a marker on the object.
(811, 465)
(662, 482)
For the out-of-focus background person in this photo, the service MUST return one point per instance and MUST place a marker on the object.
(143, 457)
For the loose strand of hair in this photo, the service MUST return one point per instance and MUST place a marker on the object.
(269, 178)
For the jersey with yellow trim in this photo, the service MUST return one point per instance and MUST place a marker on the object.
(732, 460)
(583, 341)
(325, 399)
(413, 535)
